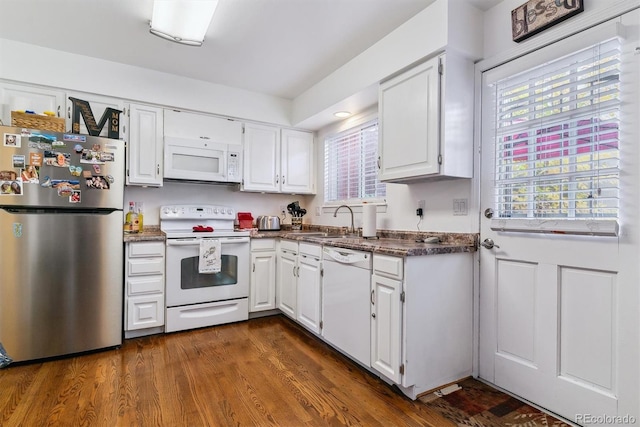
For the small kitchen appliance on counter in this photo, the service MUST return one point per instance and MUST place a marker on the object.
(195, 298)
(268, 223)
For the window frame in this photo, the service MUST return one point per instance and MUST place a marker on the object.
(355, 203)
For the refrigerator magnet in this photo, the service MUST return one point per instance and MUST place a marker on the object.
(18, 161)
(57, 144)
(12, 140)
(17, 229)
(30, 174)
(96, 169)
(46, 182)
(90, 156)
(74, 137)
(35, 159)
(97, 183)
(106, 156)
(78, 148)
(74, 197)
(57, 159)
(11, 188)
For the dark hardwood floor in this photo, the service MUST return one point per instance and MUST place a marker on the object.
(264, 372)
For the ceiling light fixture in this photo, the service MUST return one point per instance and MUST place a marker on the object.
(342, 114)
(182, 21)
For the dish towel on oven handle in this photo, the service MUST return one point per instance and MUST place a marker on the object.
(210, 260)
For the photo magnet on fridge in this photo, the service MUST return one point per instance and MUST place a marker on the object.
(12, 140)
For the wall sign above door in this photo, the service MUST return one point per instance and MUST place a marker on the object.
(537, 15)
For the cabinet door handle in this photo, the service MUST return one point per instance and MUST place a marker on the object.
(283, 179)
(277, 179)
(378, 162)
(58, 115)
(373, 297)
(158, 168)
(254, 267)
(373, 315)
(69, 112)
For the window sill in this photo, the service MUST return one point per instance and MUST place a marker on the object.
(588, 227)
(381, 207)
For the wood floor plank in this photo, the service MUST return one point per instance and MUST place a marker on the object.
(264, 372)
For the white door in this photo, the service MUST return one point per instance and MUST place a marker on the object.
(386, 327)
(261, 158)
(286, 283)
(558, 295)
(18, 97)
(145, 147)
(262, 292)
(308, 292)
(297, 162)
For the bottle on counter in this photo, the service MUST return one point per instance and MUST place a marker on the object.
(139, 211)
(131, 221)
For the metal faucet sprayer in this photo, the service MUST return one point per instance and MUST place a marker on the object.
(335, 214)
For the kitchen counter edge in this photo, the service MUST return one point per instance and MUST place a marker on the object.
(149, 234)
(386, 246)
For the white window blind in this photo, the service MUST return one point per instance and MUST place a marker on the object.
(557, 147)
(351, 165)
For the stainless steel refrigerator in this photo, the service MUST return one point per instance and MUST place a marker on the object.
(61, 247)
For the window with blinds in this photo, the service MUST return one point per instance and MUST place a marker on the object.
(351, 165)
(557, 147)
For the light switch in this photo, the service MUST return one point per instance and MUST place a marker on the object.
(460, 206)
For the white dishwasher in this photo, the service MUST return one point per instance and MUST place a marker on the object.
(346, 310)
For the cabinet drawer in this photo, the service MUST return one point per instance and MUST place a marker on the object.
(146, 249)
(289, 245)
(388, 266)
(309, 249)
(145, 266)
(145, 285)
(263, 245)
(145, 312)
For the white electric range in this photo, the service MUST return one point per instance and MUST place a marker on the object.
(195, 299)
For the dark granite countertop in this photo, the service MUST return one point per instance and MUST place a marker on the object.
(398, 243)
(149, 234)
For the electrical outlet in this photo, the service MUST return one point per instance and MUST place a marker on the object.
(318, 212)
(283, 209)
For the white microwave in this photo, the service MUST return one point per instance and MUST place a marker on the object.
(202, 160)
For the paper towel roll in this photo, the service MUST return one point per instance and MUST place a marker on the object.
(368, 220)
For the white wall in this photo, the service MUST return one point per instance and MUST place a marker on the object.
(187, 193)
(48, 67)
(401, 200)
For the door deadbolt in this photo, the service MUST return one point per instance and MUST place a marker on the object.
(488, 213)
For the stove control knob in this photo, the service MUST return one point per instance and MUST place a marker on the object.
(215, 211)
(230, 211)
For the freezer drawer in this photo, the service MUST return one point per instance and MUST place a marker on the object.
(62, 283)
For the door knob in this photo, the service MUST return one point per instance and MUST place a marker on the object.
(488, 213)
(489, 244)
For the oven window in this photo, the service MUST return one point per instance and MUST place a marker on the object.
(190, 277)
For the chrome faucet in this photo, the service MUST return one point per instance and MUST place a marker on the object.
(335, 214)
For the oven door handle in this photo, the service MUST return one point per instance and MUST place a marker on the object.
(193, 242)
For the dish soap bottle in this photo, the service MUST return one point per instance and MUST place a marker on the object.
(139, 209)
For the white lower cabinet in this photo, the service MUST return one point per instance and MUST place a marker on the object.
(144, 282)
(421, 328)
(308, 287)
(262, 290)
(386, 326)
(286, 278)
(298, 282)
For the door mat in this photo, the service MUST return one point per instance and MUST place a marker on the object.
(478, 404)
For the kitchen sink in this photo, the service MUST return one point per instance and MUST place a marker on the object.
(332, 236)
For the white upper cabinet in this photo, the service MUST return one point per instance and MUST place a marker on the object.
(261, 158)
(297, 162)
(278, 160)
(179, 124)
(21, 98)
(426, 121)
(145, 145)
